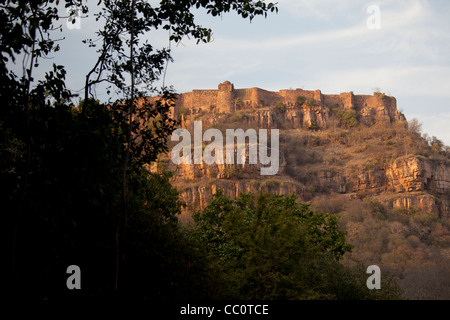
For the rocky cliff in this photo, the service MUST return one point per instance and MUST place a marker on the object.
(357, 146)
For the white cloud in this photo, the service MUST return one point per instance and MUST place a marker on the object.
(323, 10)
(401, 56)
(320, 44)
(404, 80)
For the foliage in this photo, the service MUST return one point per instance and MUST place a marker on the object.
(280, 107)
(402, 243)
(71, 194)
(232, 172)
(271, 247)
(311, 102)
(138, 18)
(300, 100)
(240, 116)
(238, 104)
(349, 118)
(314, 125)
(184, 112)
(270, 183)
(159, 255)
(72, 184)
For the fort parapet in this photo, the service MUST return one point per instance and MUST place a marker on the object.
(227, 99)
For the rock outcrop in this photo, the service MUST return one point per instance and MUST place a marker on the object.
(406, 182)
(419, 174)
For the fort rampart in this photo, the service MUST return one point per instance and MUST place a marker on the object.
(227, 99)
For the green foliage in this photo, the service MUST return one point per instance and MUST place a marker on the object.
(349, 118)
(162, 165)
(238, 103)
(68, 214)
(271, 247)
(270, 183)
(255, 183)
(300, 100)
(311, 102)
(280, 107)
(71, 195)
(314, 125)
(71, 178)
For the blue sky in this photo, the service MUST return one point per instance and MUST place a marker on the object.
(315, 44)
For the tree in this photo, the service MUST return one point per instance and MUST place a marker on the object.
(145, 64)
(311, 102)
(67, 171)
(436, 145)
(314, 125)
(26, 103)
(162, 262)
(280, 107)
(271, 247)
(349, 118)
(301, 100)
(137, 18)
(414, 137)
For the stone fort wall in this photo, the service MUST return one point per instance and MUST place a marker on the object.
(227, 99)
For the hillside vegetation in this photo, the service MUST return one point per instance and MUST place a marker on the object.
(373, 175)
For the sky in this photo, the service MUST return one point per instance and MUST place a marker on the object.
(329, 45)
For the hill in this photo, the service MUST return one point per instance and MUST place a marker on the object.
(352, 155)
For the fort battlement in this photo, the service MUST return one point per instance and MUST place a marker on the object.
(227, 99)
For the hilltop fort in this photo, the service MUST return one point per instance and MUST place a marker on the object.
(354, 145)
(315, 105)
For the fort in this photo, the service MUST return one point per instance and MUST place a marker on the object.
(227, 99)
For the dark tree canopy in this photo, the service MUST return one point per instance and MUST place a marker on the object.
(72, 179)
(270, 247)
(75, 189)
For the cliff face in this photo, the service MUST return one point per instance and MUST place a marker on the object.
(411, 182)
(345, 144)
(408, 182)
(419, 174)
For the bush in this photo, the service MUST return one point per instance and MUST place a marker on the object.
(280, 107)
(232, 173)
(301, 100)
(240, 116)
(255, 183)
(271, 247)
(311, 102)
(270, 183)
(349, 118)
(314, 125)
(184, 112)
